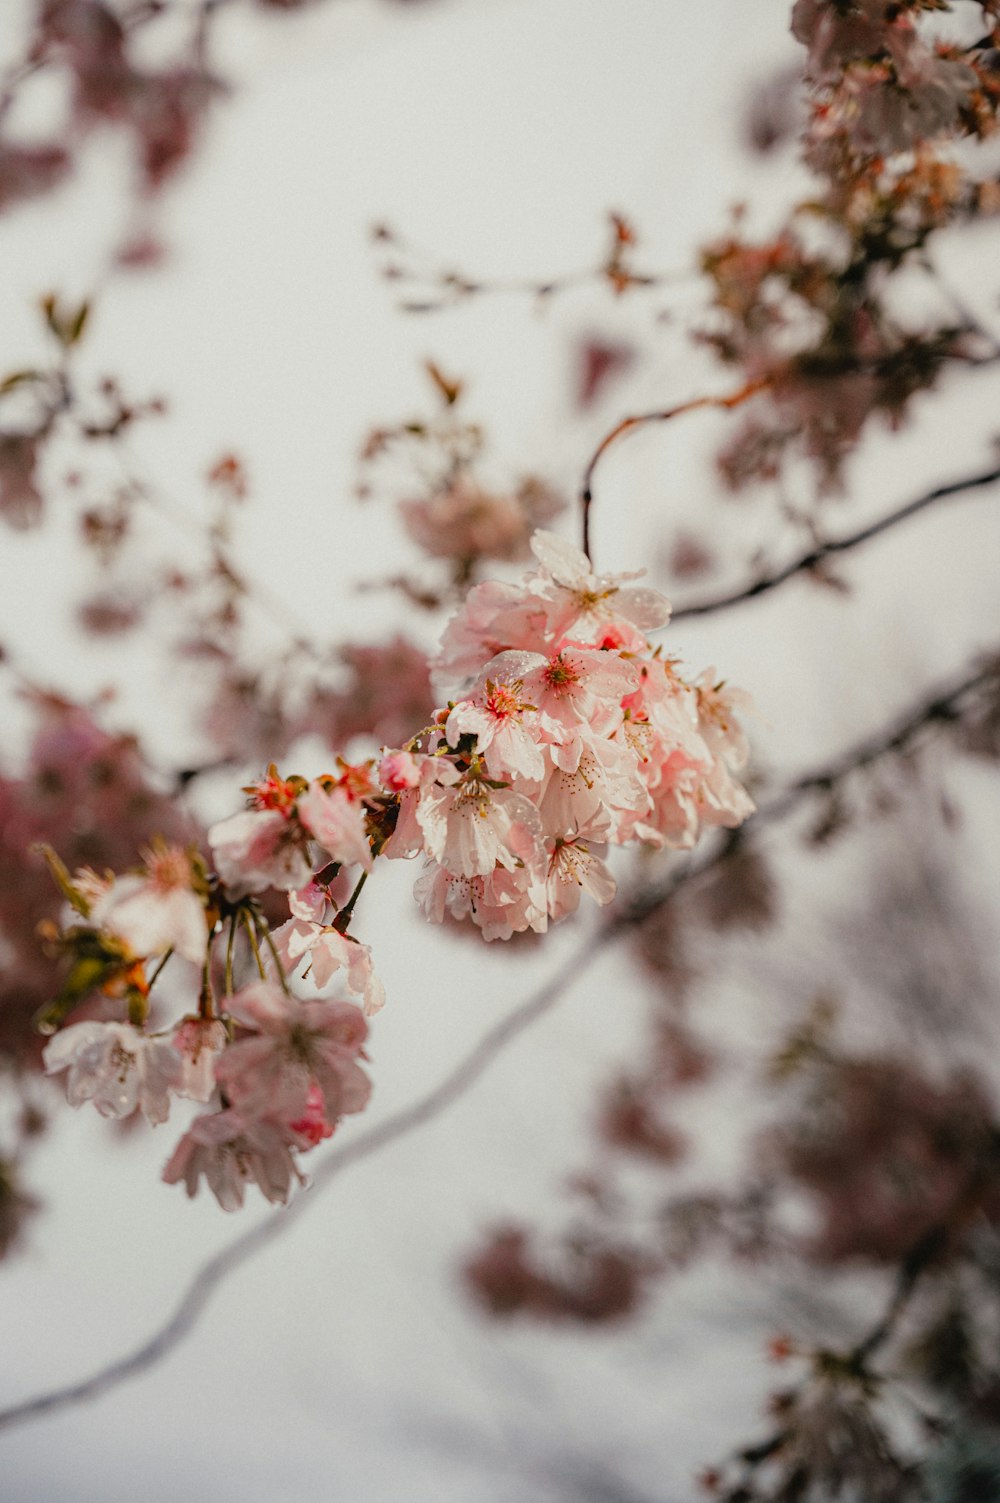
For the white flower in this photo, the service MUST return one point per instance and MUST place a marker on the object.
(295, 1046)
(158, 911)
(116, 1067)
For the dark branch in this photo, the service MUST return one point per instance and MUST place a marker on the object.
(640, 420)
(816, 557)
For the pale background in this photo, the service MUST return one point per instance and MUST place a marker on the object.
(345, 1363)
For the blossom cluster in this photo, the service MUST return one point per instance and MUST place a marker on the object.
(809, 315)
(563, 732)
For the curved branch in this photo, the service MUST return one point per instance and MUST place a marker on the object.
(639, 420)
(945, 706)
(815, 558)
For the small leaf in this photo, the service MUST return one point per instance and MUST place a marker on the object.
(20, 378)
(61, 877)
(75, 326)
(450, 389)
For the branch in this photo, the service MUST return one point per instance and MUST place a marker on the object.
(732, 399)
(817, 556)
(943, 707)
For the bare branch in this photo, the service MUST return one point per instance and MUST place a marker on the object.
(640, 420)
(817, 556)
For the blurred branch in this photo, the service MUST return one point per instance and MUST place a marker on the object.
(945, 706)
(816, 557)
(852, 1364)
(431, 286)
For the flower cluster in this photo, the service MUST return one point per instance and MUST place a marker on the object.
(809, 315)
(564, 732)
(568, 733)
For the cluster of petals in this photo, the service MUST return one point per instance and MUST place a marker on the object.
(564, 733)
(307, 935)
(276, 842)
(280, 1088)
(116, 1067)
(285, 1082)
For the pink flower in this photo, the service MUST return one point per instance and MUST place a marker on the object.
(116, 1067)
(328, 951)
(199, 1042)
(463, 522)
(581, 603)
(470, 827)
(493, 618)
(505, 723)
(593, 782)
(573, 870)
(257, 849)
(398, 771)
(232, 1151)
(296, 1045)
(501, 904)
(581, 686)
(336, 820)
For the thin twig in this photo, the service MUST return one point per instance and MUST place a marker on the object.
(941, 707)
(230, 943)
(639, 420)
(269, 941)
(343, 918)
(817, 556)
(248, 925)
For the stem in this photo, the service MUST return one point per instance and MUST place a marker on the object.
(230, 945)
(159, 967)
(269, 941)
(343, 918)
(252, 936)
(734, 399)
(206, 1000)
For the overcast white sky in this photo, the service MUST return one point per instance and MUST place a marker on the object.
(343, 1364)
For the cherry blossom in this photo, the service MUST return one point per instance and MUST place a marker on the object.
(471, 826)
(259, 848)
(580, 602)
(329, 951)
(116, 1067)
(571, 733)
(335, 817)
(573, 870)
(199, 1041)
(295, 1045)
(231, 1151)
(507, 727)
(157, 911)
